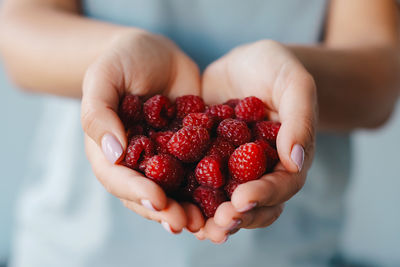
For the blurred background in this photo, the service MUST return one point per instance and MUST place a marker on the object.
(371, 235)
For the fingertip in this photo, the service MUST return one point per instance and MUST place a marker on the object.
(112, 148)
(195, 219)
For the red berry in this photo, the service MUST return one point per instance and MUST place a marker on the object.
(188, 104)
(174, 126)
(267, 130)
(187, 190)
(248, 162)
(234, 131)
(232, 102)
(138, 149)
(208, 199)
(230, 187)
(160, 140)
(189, 143)
(166, 171)
(210, 172)
(250, 109)
(130, 110)
(220, 112)
(198, 119)
(270, 153)
(158, 111)
(221, 148)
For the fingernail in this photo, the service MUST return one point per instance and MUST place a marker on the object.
(234, 224)
(167, 227)
(297, 156)
(112, 149)
(147, 204)
(223, 240)
(248, 207)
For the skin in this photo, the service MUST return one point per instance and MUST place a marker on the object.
(349, 81)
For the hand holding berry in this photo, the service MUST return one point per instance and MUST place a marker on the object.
(141, 64)
(270, 72)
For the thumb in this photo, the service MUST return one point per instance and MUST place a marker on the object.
(100, 121)
(297, 112)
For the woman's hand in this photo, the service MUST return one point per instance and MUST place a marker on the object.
(144, 64)
(267, 70)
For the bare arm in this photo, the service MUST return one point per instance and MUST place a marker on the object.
(357, 68)
(47, 46)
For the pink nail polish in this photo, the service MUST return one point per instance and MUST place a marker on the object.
(297, 156)
(167, 227)
(247, 208)
(147, 204)
(234, 224)
(112, 149)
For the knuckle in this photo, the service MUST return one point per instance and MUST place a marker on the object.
(88, 119)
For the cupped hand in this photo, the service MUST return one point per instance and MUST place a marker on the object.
(143, 64)
(269, 71)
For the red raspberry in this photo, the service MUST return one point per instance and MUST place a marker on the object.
(221, 148)
(158, 111)
(230, 187)
(250, 109)
(208, 199)
(160, 140)
(220, 112)
(210, 172)
(188, 104)
(247, 163)
(267, 130)
(234, 131)
(130, 110)
(270, 153)
(138, 149)
(232, 102)
(198, 119)
(189, 143)
(166, 171)
(187, 190)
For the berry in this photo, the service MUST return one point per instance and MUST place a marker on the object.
(220, 112)
(270, 153)
(160, 140)
(250, 109)
(234, 131)
(189, 143)
(198, 119)
(248, 162)
(158, 111)
(166, 171)
(230, 187)
(209, 172)
(208, 199)
(221, 148)
(187, 190)
(232, 102)
(174, 126)
(267, 130)
(188, 104)
(130, 110)
(138, 149)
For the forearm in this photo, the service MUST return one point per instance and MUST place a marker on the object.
(47, 49)
(357, 88)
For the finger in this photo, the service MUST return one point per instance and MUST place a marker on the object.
(172, 218)
(123, 182)
(297, 108)
(271, 189)
(214, 233)
(195, 219)
(228, 218)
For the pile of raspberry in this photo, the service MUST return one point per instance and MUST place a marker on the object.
(195, 152)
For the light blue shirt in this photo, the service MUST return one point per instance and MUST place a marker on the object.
(66, 218)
